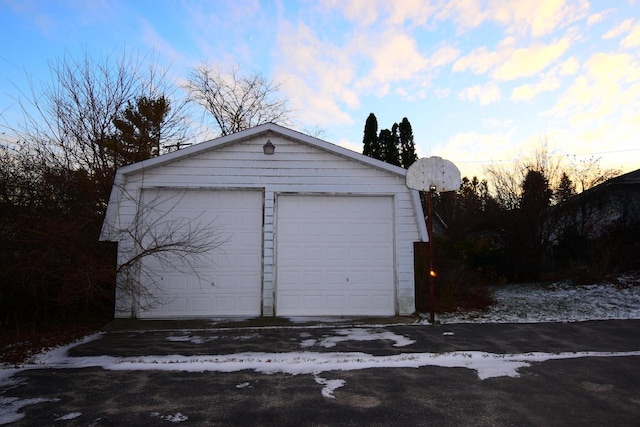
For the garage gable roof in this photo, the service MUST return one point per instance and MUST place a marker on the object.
(264, 129)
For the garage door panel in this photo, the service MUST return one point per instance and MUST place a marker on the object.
(332, 253)
(227, 280)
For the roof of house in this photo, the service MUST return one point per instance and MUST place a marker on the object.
(264, 129)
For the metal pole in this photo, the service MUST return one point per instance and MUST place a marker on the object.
(432, 274)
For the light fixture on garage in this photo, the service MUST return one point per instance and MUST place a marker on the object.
(268, 148)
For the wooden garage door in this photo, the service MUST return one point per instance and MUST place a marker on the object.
(334, 256)
(227, 279)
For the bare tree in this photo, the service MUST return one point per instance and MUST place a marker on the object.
(55, 183)
(237, 99)
(159, 239)
(506, 180)
(588, 172)
(68, 121)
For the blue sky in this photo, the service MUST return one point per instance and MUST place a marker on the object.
(480, 81)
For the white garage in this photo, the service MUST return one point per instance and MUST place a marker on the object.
(308, 229)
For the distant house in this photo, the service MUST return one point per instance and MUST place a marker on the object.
(305, 228)
(615, 202)
(578, 228)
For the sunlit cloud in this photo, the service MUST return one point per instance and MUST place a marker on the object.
(395, 58)
(619, 29)
(537, 18)
(365, 13)
(530, 61)
(610, 85)
(317, 76)
(597, 17)
(485, 94)
(569, 67)
(472, 152)
(480, 60)
(633, 39)
(528, 92)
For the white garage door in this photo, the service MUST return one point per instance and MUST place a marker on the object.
(225, 281)
(334, 256)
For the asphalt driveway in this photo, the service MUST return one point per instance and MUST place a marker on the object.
(345, 372)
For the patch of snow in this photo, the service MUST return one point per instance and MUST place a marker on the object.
(560, 302)
(196, 339)
(9, 407)
(61, 352)
(487, 365)
(69, 416)
(308, 343)
(329, 386)
(178, 417)
(192, 339)
(330, 320)
(359, 334)
(242, 385)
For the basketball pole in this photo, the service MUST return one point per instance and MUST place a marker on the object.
(432, 274)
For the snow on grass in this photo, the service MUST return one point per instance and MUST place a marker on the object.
(358, 334)
(178, 417)
(559, 302)
(329, 386)
(9, 407)
(69, 416)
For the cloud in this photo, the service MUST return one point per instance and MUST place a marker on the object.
(568, 67)
(443, 56)
(608, 88)
(487, 94)
(473, 151)
(633, 39)
(318, 76)
(548, 82)
(530, 61)
(518, 17)
(509, 63)
(529, 91)
(395, 58)
(365, 13)
(619, 29)
(151, 37)
(480, 60)
(466, 14)
(537, 18)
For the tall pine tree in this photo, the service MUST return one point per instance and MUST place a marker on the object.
(370, 144)
(407, 147)
(389, 148)
(393, 146)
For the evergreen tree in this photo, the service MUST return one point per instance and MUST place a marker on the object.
(407, 147)
(370, 144)
(536, 194)
(389, 147)
(138, 130)
(566, 188)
